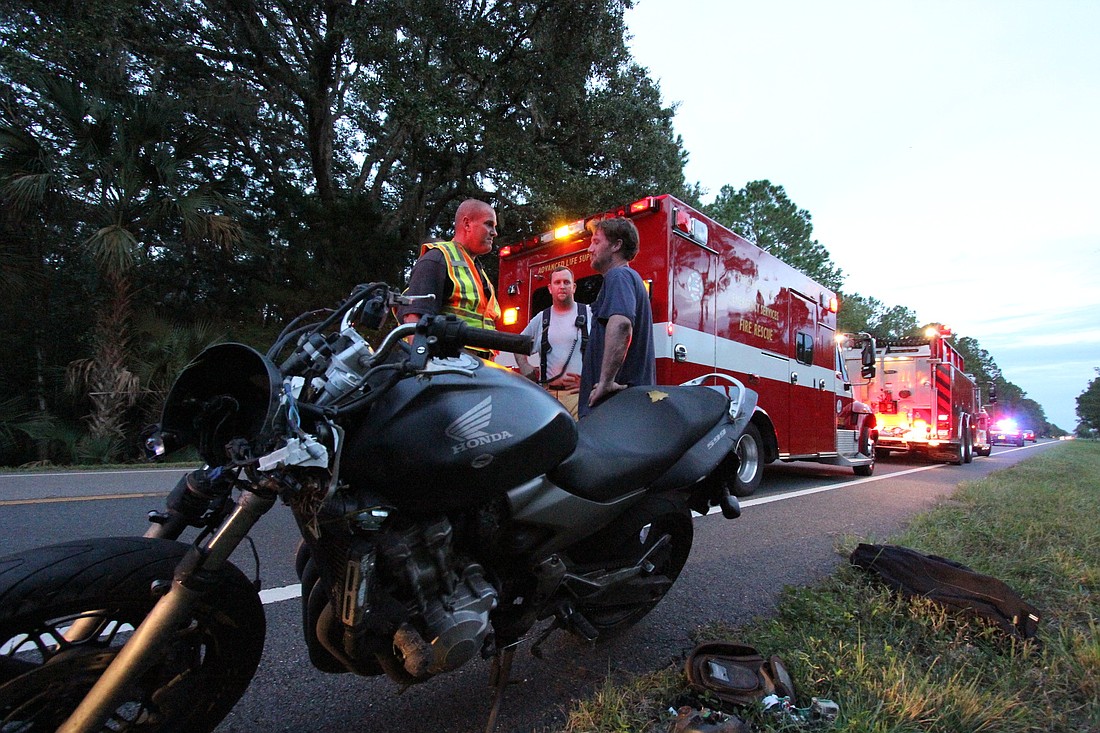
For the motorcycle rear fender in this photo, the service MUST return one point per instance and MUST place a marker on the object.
(706, 455)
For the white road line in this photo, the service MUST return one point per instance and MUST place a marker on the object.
(274, 595)
(834, 487)
(287, 592)
(830, 487)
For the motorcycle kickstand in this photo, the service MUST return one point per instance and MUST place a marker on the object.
(501, 669)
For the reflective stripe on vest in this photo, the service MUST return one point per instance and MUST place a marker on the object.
(468, 297)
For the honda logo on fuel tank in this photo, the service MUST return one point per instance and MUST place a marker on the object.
(471, 428)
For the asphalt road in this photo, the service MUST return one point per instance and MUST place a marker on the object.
(787, 535)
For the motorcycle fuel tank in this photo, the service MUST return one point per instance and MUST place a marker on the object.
(453, 439)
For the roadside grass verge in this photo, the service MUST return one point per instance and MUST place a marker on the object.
(900, 666)
(180, 459)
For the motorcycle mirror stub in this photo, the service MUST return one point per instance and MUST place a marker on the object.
(371, 310)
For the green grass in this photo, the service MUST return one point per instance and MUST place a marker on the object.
(899, 666)
(182, 458)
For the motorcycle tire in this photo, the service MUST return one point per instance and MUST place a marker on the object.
(106, 584)
(624, 542)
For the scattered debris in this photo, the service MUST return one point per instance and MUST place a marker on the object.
(702, 720)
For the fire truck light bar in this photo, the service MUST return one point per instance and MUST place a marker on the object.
(941, 331)
(577, 228)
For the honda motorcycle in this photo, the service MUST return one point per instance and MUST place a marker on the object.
(446, 505)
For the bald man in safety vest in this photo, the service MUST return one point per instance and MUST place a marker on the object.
(451, 272)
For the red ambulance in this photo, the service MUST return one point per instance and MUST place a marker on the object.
(720, 305)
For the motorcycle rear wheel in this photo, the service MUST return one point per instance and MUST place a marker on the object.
(625, 542)
(102, 588)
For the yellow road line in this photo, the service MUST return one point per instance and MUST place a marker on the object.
(60, 499)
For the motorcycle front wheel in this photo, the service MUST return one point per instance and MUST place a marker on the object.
(66, 610)
(626, 541)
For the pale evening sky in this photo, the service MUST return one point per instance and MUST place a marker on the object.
(948, 153)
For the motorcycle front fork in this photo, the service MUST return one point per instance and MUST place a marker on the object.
(144, 647)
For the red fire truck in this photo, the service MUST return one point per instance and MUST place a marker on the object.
(721, 305)
(924, 401)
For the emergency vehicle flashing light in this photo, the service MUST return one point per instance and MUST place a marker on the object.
(510, 316)
(569, 230)
(941, 331)
(695, 229)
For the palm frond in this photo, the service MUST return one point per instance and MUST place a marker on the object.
(113, 247)
(26, 192)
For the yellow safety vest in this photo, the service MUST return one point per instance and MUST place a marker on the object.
(469, 301)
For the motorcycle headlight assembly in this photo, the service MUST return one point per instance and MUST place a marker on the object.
(230, 391)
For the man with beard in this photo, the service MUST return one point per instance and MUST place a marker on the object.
(620, 345)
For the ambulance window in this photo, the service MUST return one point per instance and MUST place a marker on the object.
(841, 367)
(587, 290)
(804, 348)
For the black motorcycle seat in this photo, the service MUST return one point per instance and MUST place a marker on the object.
(632, 439)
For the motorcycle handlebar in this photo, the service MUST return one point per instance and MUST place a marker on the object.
(515, 343)
(457, 335)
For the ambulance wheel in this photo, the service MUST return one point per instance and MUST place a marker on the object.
(750, 463)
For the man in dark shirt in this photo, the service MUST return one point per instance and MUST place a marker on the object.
(620, 345)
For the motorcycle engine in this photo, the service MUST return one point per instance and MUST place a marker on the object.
(398, 597)
(452, 599)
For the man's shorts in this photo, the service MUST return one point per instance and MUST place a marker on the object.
(569, 398)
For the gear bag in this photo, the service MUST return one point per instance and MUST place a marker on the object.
(951, 584)
(736, 673)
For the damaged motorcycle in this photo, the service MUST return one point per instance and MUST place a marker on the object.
(449, 509)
